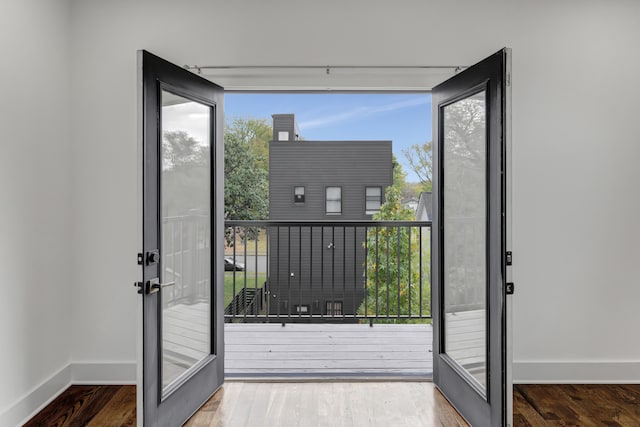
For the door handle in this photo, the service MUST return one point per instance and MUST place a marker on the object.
(155, 285)
(152, 286)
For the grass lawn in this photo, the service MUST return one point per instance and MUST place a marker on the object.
(251, 245)
(251, 283)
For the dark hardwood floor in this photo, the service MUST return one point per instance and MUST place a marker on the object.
(533, 406)
(89, 405)
(576, 405)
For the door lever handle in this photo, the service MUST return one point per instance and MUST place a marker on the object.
(156, 285)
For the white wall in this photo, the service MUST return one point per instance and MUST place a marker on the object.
(35, 200)
(576, 239)
(575, 137)
(68, 165)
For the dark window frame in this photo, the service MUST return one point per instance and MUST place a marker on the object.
(302, 309)
(296, 198)
(334, 308)
(326, 200)
(366, 199)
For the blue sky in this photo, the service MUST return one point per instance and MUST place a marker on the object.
(404, 119)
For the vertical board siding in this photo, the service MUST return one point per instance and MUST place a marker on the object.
(313, 266)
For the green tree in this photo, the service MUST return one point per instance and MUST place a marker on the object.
(419, 158)
(393, 283)
(246, 187)
(185, 167)
(399, 175)
(256, 133)
(246, 174)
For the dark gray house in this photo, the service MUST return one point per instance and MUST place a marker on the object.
(425, 206)
(319, 269)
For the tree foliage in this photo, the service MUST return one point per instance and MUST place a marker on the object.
(246, 174)
(399, 175)
(420, 162)
(394, 283)
(246, 187)
(254, 132)
(465, 203)
(185, 167)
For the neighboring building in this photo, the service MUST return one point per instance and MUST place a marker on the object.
(321, 270)
(411, 204)
(424, 209)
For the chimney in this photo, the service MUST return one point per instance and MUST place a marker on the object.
(285, 127)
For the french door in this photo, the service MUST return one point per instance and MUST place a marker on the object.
(183, 350)
(469, 241)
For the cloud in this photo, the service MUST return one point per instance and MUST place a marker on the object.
(361, 112)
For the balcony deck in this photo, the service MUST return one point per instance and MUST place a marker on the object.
(327, 350)
(269, 350)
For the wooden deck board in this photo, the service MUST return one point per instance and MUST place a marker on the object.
(316, 349)
(327, 350)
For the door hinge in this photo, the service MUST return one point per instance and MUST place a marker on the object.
(140, 258)
(509, 258)
(508, 79)
(509, 288)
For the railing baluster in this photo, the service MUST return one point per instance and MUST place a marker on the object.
(355, 262)
(388, 278)
(323, 301)
(244, 247)
(377, 270)
(399, 233)
(182, 243)
(255, 299)
(366, 273)
(279, 293)
(289, 272)
(299, 271)
(344, 270)
(409, 230)
(333, 272)
(311, 302)
(420, 269)
(233, 270)
(267, 282)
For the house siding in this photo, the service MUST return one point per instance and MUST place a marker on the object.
(351, 165)
(313, 266)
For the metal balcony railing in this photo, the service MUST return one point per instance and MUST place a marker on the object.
(308, 271)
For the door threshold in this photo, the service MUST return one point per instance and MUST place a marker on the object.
(314, 378)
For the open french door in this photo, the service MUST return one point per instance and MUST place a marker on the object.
(181, 258)
(470, 241)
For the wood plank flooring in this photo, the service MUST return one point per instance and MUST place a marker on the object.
(613, 405)
(351, 404)
(90, 405)
(386, 404)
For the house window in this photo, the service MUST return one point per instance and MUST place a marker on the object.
(334, 200)
(373, 200)
(283, 135)
(298, 194)
(334, 308)
(302, 309)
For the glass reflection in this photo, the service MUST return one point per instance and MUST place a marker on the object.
(465, 232)
(185, 202)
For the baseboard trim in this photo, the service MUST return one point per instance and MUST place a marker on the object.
(103, 373)
(74, 373)
(35, 400)
(590, 372)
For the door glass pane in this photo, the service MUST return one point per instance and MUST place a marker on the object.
(185, 209)
(465, 233)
